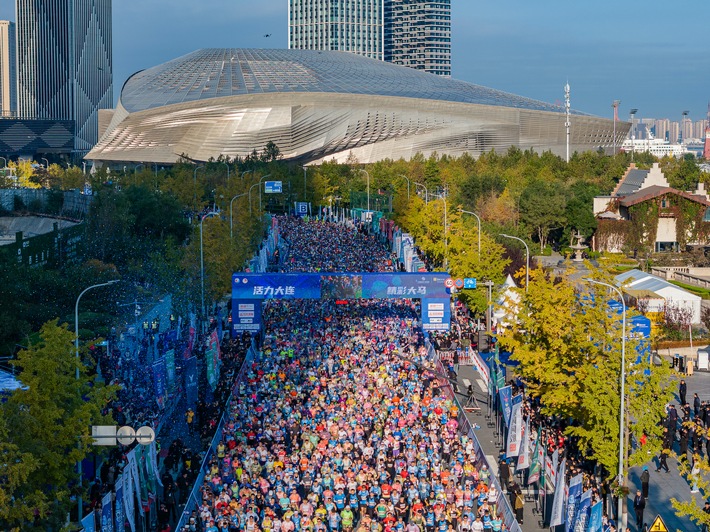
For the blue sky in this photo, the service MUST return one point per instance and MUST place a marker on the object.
(652, 55)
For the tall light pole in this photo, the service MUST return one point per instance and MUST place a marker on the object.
(368, 187)
(246, 172)
(684, 114)
(632, 113)
(527, 258)
(256, 185)
(479, 229)
(228, 172)
(76, 351)
(135, 168)
(202, 261)
(46, 162)
(621, 515)
(305, 170)
(615, 106)
(260, 180)
(231, 231)
(568, 123)
(426, 192)
(4, 162)
(194, 183)
(405, 177)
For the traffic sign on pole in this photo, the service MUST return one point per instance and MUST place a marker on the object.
(449, 283)
(458, 283)
(469, 282)
(658, 525)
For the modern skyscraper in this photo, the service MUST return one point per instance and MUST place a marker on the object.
(344, 25)
(413, 33)
(65, 63)
(8, 69)
(418, 34)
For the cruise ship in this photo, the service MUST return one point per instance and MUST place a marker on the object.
(656, 147)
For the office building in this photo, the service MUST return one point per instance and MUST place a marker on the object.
(8, 70)
(418, 35)
(412, 33)
(320, 106)
(64, 63)
(337, 25)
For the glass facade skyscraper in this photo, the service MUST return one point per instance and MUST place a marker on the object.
(8, 70)
(343, 25)
(65, 63)
(418, 34)
(413, 33)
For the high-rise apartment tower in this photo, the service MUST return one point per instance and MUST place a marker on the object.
(8, 69)
(65, 63)
(418, 34)
(413, 33)
(344, 25)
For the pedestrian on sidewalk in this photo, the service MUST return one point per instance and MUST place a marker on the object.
(662, 463)
(682, 390)
(696, 405)
(639, 506)
(645, 480)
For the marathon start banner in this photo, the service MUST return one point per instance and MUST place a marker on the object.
(249, 289)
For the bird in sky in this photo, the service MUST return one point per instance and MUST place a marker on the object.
(267, 35)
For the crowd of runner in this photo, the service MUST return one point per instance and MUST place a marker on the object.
(340, 424)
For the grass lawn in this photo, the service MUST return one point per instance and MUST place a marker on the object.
(697, 290)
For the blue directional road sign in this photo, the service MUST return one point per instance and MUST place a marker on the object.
(273, 187)
(469, 282)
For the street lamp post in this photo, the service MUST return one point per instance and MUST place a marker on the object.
(260, 180)
(426, 192)
(527, 258)
(46, 162)
(231, 231)
(76, 350)
(4, 162)
(227, 165)
(246, 172)
(479, 229)
(621, 515)
(202, 261)
(305, 170)
(194, 183)
(405, 177)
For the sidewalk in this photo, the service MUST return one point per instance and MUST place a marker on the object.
(663, 486)
(492, 445)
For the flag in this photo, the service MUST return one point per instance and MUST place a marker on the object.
(515, 429)
(191, 382)
(524, 456)
(537, 459)
(582, 517)
(119, 514)
(557, 514)
(135, 475)
(153, 455)
(595, 517)
(505, 394)
(574, 494)
(106, 514)
(129, 498)
(89, 523)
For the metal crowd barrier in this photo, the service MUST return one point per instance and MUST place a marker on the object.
(195, 499)
(465, 428)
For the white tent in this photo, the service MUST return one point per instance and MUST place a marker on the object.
(674, 296)
(506, 306)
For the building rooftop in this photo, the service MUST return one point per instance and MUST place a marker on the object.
(222, 72)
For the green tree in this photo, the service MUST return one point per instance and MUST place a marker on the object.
(542, 209)
(51, 422)
(571, 361)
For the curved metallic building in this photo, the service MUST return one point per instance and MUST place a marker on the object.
(325, 105)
